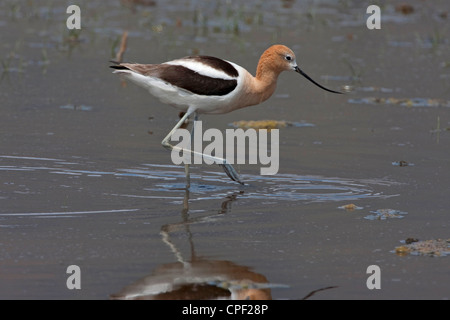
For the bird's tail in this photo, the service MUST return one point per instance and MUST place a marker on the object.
(117, 66)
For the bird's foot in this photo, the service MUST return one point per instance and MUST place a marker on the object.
(229, 170)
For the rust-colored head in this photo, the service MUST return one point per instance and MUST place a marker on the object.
(276, 59)
(279, 58)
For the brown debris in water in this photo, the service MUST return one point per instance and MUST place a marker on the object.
(404, 8)
(123, 47)
(350, 207)
(261, 124)
(383, 214)
(401, 163)
(432, 248)
(404, 102)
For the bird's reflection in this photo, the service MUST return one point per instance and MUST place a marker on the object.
(198, 277)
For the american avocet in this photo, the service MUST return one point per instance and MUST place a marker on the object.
(209, 85)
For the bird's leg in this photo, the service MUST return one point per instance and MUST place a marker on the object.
(166, 144)
(228, 168)
(188, 176)
(186, 166)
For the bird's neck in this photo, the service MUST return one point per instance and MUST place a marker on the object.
(265, 82)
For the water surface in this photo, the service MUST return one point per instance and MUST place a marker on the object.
(85, 181)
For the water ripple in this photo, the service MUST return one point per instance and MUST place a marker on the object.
(207, 185)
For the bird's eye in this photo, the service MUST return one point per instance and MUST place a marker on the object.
(288, 58)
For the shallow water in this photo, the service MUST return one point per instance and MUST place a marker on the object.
(85, 181)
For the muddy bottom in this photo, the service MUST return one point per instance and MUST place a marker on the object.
(86, 182)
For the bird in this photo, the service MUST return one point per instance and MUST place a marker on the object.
(209, 85)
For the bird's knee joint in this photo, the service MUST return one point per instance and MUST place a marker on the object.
(166, 144)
